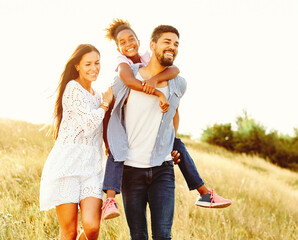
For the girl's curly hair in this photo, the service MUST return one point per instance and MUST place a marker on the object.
(117, 26)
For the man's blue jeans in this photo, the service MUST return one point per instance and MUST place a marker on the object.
(114, 170)
(155, 186)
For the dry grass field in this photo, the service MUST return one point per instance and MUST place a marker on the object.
(265, 197)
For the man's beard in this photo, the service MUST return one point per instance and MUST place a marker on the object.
(165, 62)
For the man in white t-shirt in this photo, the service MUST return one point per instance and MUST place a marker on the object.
(142, 136)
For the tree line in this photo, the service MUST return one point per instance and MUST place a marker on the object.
(251, 137)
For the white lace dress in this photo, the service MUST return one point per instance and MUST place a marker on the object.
(73, 169)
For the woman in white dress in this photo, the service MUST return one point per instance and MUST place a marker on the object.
(72, 175)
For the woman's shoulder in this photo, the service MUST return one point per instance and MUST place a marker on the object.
(73, 85)
(73, 88)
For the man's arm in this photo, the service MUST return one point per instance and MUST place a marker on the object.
(105, 126)
(176, 121)
(175, 153)
(167, 74)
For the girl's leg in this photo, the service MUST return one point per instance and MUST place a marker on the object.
(188, 167)
(194, 181)
(111, 194)
(91, 214)
(112, 185)
(113, 176)
(68, 220)
(203, 190)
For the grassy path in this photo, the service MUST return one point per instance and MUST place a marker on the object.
(264, 196)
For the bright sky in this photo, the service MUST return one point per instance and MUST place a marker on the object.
(234, 54)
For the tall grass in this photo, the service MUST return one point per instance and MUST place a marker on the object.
(264, 196)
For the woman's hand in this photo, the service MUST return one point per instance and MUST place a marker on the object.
(107, 96)
(107, 152)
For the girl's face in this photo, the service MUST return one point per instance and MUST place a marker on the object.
(127, 43)
(89, 66)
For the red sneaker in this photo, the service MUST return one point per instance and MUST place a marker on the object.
(212, 200)
(110, 209)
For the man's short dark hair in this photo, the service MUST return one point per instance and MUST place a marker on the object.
(158, 31)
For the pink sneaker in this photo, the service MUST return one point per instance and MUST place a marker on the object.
(110, 209)
(212, 200)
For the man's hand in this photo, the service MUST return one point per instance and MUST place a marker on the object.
(175, 156)
(149, 86)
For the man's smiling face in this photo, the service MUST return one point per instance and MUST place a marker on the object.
(166, 48)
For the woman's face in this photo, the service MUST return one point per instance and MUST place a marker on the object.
(127, 43)
(89, 66)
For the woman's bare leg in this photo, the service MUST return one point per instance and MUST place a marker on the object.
(91, 214)
(68, 220)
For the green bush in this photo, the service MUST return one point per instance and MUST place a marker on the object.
(219, 134)
(251, 138)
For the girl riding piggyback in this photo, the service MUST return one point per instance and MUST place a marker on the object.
(128, 46)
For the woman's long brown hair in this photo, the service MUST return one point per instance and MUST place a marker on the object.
(69, 73)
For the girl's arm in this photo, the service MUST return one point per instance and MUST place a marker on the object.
(167, 74)
(127, 76)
